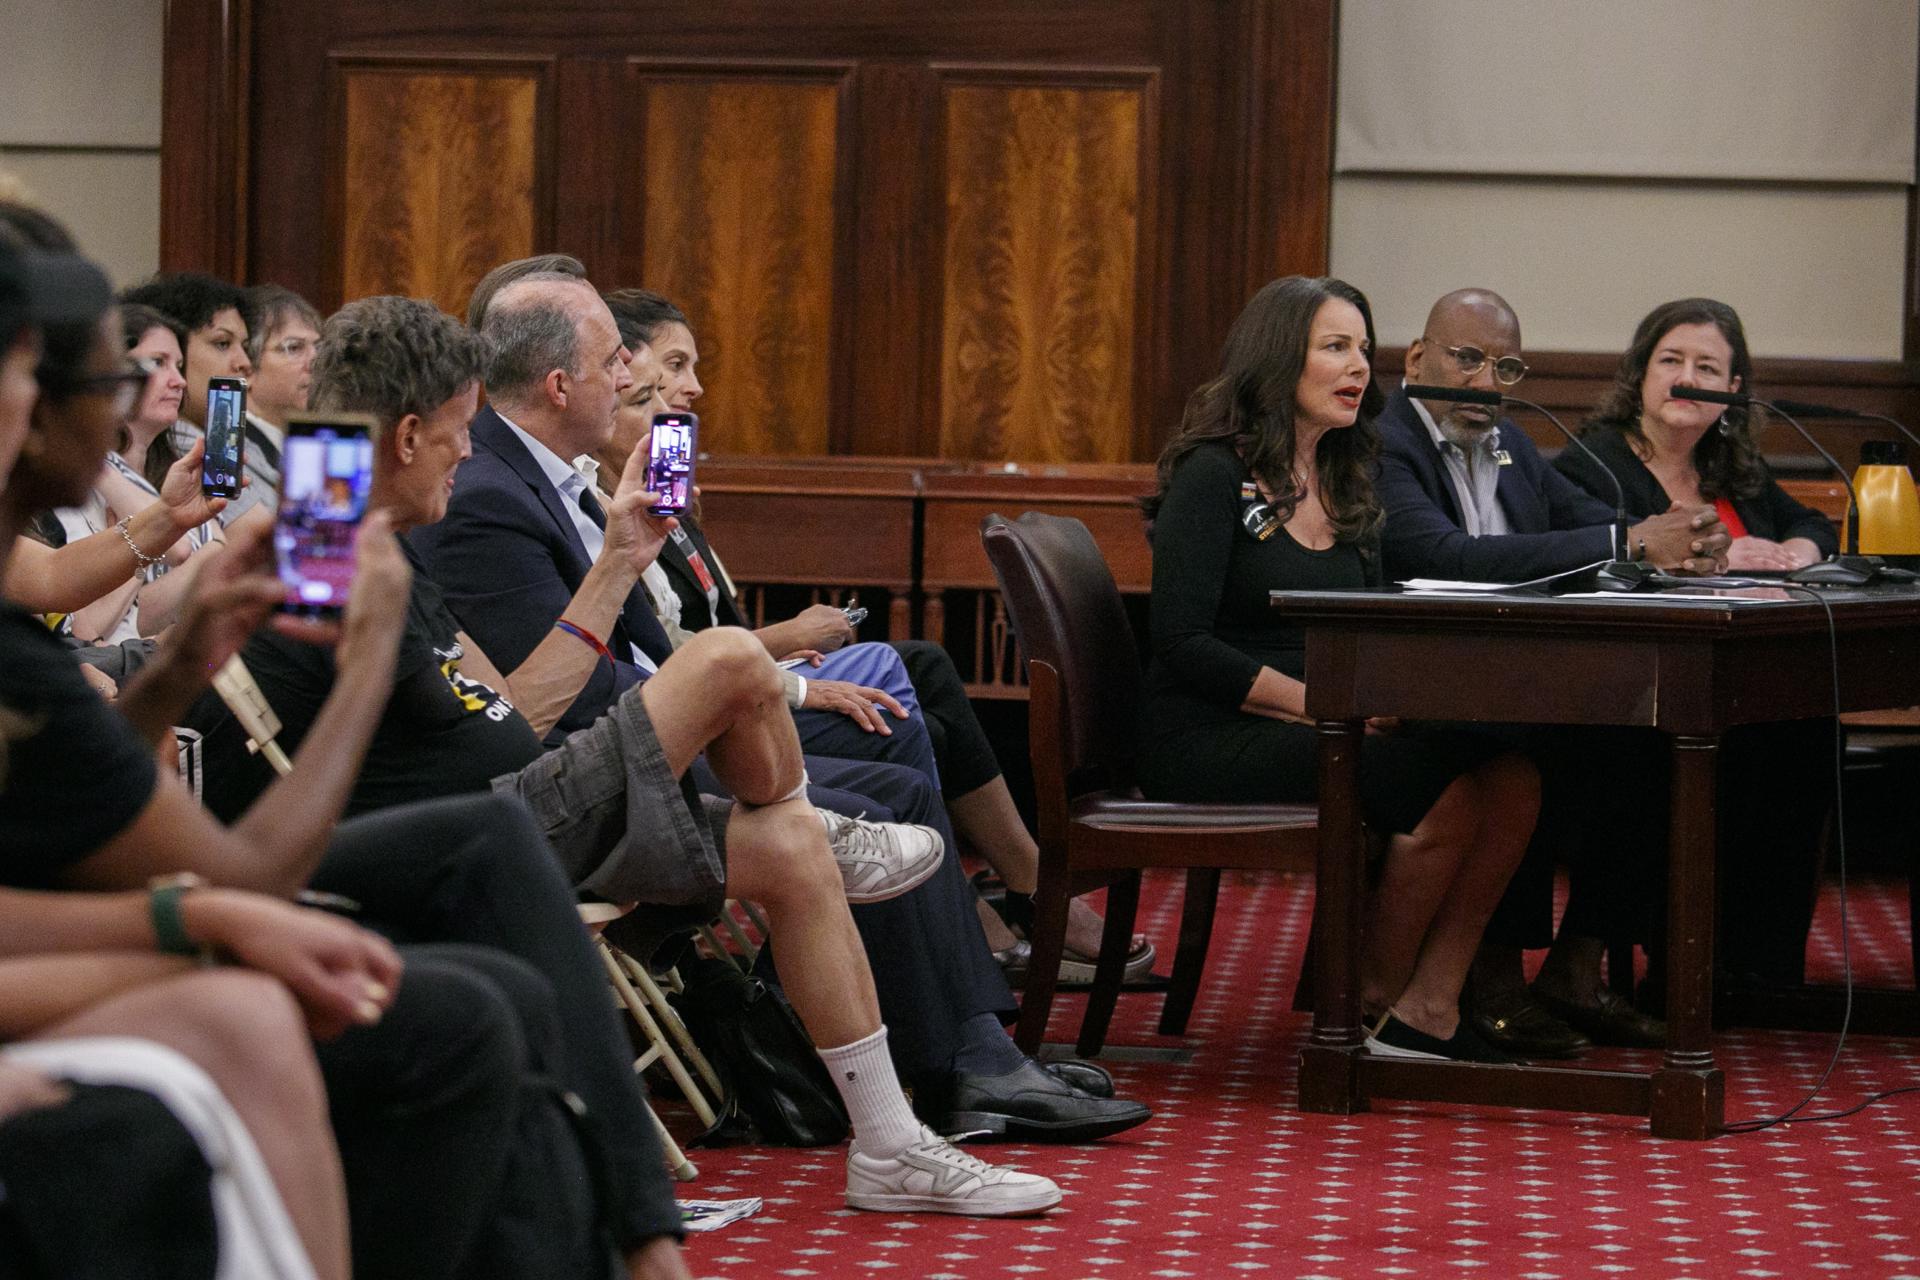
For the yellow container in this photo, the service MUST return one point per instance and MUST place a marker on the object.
(1889, 504)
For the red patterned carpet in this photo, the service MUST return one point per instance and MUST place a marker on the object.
(1229, 1179)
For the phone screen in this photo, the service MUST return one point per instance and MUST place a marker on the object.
(670, 461)
(326, 472)
(220, 470)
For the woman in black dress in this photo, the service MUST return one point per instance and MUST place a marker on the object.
(1268, 485)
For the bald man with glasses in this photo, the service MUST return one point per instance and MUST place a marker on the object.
(1466, 494)
(1468, 497)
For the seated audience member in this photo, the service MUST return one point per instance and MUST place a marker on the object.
(282, 332)
(226, 1049)
(1267, 485)
(613, 798)
(1776, 780)
(514, 549)
(691, 592)
(436, 1104)
(145, 603)
(214, 314)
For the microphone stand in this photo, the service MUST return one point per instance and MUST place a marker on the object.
(1850, 569)
(1623, 573)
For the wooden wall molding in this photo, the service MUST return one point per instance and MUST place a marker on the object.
(1231, 178)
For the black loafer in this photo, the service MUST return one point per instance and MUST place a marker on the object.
(1608, 1020)
(1524, 1029)
(1027, 1105)
(1084, 1076)
(1393, 1038)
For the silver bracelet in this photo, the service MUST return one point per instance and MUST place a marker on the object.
(146, 561)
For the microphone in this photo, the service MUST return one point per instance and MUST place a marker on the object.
(1619, 574)
(1806, 410)
(1849, 570)
(1457, 395)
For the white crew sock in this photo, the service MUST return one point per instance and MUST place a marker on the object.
(883, 1124)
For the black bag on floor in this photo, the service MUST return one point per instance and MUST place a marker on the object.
(761, 1052)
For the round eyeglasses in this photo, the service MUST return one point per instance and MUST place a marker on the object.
(1469, 360)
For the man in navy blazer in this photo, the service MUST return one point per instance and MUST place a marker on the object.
(1466, 494)
(1468, 497)
(518, 544)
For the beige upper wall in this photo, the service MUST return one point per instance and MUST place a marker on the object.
(1783, 90)
(1424, 197)
(80, 121)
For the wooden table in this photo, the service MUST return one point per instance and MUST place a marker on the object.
(1691, 669)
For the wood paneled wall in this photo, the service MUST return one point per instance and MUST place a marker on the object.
(984, 230)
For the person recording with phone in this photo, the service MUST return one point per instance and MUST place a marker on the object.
(691, 592)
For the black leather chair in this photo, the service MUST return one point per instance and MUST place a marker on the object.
(1084, 678)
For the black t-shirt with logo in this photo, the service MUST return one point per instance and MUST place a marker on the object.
(442, 733)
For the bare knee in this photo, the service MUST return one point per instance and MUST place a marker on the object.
(1450, 824)
(735, 665)
(243, 1028)
(785, 855)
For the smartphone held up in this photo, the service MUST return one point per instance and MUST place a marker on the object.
(676, 435)
(225, 460)
(326, 474)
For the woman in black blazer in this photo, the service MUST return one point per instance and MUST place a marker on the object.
(1666, 450)
(1776, 780)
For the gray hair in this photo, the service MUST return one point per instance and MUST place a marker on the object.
(391, 356)
(269, 309)
(531, 336)
(546, 266)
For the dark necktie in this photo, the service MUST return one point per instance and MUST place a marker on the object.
(590, 507)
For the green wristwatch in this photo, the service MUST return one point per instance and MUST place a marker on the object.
(163, 906)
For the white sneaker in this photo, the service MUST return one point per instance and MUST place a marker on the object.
(881, 860)
(932, 1176)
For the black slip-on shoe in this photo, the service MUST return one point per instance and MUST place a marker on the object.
(1393, 1038)
(1027, 1105)
(1610, 1019)
(1523, 1028)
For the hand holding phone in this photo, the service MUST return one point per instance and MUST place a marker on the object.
(224, 463)
(676, 435)
(326, 474)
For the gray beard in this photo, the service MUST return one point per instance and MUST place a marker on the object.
(1459, 433)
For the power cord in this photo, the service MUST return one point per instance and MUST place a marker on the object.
(1791, 1115)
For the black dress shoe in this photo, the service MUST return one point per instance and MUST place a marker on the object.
(1084, 1076)
(1608, 1020)
(1522, 1028)
(1027, 1105)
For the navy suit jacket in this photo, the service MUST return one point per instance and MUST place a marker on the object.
(1556, 525)
(508, 558)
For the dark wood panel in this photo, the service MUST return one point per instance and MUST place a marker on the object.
(739, 229)
(204, 125)
(1043, 193)
(440, 177)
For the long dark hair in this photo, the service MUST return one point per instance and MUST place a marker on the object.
(137, 320)
(1250, 406)
(1727, 460)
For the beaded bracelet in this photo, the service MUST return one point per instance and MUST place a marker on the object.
(146, 561)
(586, 637)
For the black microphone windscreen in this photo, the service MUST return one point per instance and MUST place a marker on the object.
(1459, 395)
(1711, 397)
(1801, 409)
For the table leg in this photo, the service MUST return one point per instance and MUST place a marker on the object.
(1328, 1077)
(1689, 1093)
